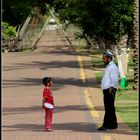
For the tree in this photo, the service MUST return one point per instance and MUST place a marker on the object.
(108, 20)
(15, 12)
(136, 43)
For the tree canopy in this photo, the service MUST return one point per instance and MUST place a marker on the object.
(15, 12)
(107, 19)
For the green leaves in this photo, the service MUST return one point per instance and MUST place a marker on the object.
(15, 12)
(108, 19)
(8, 31)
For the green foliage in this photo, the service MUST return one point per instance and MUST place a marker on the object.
(15, 12)
(108, 19)
(8, 31)
(100, 19)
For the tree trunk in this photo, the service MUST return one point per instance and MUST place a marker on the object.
(136, 43)
(108, 45)
(123, 52)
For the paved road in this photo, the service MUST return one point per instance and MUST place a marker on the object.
(23, 117)
(74, 118)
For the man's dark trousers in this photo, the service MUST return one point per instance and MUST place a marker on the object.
(110, 119)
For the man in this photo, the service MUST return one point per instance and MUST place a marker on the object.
(109, 86)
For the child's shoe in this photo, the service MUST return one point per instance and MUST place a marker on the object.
(49, 130)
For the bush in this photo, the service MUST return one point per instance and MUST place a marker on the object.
(8, 31)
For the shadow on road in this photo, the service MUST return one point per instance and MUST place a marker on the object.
(81, 127)
(58, 83)
(77, 127)
(33, 109)
(41, 65)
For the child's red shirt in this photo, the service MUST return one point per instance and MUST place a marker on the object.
(47, 94)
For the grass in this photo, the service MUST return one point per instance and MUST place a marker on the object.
(129, 112)
(22, 50)
(126, 99)
(26, 49)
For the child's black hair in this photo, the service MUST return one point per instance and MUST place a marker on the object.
(46, 80)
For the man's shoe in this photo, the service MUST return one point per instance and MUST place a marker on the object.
(113, 127)
(102, 129)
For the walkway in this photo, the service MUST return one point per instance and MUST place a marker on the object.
(78, 98)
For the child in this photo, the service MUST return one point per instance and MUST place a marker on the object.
(48, 98)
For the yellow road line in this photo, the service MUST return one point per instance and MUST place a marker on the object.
(107, 137)
(88, 100)
(82, 72)
(93, 112)
(89, 103)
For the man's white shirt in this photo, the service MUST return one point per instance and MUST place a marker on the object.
(111, 76)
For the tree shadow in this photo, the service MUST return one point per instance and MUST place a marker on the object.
(79, 127)
(21, 110)
(34, 109)
(58, 83)
(65, 108)
(24, 127)
(21, 82)
(74, 127)
(46, 65)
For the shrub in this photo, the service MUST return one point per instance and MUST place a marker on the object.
(8, 31)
